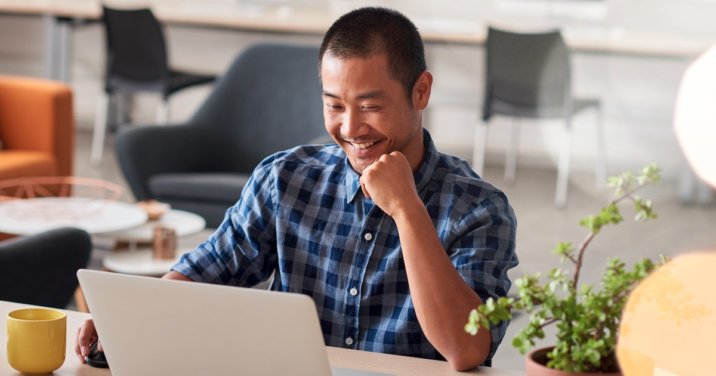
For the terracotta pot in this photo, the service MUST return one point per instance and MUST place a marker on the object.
(535, 366)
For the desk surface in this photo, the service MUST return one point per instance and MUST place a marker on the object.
(341, 358)
(314, 21)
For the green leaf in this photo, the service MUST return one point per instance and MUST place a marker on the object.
(591, 223)
(517, 342)
(650, 174)
(610, 214)
(564, 250)
(471, 328)
(644, 210)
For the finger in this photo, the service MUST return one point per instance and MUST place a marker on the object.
(364, 189)
(85, 336)
(99, 346)
(77, 345)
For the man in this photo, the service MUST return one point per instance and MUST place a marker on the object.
(394, 241)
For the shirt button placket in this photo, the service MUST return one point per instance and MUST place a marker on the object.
(353, 291)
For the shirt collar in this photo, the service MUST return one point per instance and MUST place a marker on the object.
(422, 176)
(427, 169)
(352, 181)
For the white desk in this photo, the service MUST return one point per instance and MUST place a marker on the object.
(341, 358)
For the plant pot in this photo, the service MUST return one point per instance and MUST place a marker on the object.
(536, 366)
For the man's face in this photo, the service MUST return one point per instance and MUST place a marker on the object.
(367, 112)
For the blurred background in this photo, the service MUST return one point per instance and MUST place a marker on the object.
(631, 54)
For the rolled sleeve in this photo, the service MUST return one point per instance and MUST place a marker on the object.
(242, 251)
(485, 250)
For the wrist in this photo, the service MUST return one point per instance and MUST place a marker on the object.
(411, 210)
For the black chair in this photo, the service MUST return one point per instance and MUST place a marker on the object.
(528, 75)
(41, 269)
(267, 101)
(137, 62)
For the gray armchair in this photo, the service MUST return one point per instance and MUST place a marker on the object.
(267, 101)
(41, 269)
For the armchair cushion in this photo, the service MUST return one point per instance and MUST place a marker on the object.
(36, 117)
(206, 194)
(21, 163)
(209, 187)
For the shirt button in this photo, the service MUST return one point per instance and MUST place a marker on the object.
(349, 341)
(354, 291)
(368, 236)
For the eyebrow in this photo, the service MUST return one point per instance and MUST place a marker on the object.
(368, 95)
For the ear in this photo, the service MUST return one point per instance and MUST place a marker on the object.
(421, 90)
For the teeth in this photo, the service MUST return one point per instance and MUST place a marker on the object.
(364, 145)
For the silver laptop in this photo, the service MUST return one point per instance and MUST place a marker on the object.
(151, 326)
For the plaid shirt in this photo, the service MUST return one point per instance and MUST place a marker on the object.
(303, 214)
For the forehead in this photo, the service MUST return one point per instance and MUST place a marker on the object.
(372, 61)
(339, 73)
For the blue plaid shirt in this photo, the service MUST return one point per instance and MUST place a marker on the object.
(303, 214)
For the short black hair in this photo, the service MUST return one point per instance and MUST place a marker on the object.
(370, 31)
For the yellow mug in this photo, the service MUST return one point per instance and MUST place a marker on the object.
(36, 339)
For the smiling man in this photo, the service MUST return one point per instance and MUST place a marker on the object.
(455, 232)
(394, 241)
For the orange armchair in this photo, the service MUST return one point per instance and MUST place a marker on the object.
(36, 128)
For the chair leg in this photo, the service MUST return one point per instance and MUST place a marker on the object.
(479, 145)
(513, 131)
(122, 108)
(560, 199)
(600, 171)
(163, 112)
(100, 128)
(80, 302)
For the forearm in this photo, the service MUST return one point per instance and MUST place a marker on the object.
(176, 276)
(442, 299)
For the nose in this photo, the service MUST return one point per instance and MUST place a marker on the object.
(353, 125)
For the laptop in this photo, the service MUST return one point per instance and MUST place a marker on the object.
(151, 326)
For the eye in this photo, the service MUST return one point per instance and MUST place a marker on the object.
(333, 107)
(369, 108)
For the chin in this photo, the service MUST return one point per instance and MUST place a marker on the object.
(359, 168)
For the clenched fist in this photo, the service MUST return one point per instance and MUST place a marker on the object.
(390, 184)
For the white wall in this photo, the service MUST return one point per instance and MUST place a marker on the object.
(638, 92)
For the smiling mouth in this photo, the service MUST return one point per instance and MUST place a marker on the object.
(363, 145)
(363, 148)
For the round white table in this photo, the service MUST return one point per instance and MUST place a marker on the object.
(33, 215)
(140, 262)
(182, 222)
(139, 259)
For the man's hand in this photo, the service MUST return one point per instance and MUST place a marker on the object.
(390, 184)
(86, 335)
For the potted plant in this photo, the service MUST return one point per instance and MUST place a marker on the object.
(586, 317)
